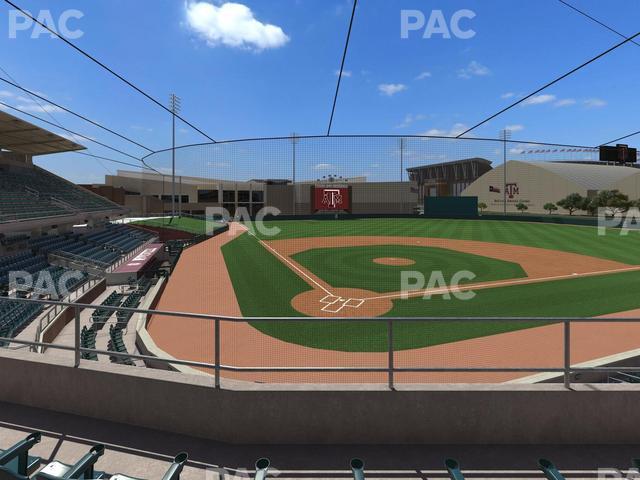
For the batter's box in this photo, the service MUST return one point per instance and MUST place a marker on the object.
(330, 299)
(338, 303)
(354, 302)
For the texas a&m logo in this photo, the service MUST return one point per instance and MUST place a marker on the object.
(512, 190)
(331, 199)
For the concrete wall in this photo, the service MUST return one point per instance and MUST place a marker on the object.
(169, 401)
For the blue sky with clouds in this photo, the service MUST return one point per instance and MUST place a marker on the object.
(268, 68)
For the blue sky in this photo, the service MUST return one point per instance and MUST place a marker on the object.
(268, 68)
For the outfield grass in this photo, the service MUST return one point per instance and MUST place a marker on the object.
(195, 226)
(567, 238)
(354, 266)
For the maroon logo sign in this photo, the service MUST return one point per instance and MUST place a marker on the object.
(331, 199)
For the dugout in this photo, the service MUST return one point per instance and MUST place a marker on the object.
(451, 207)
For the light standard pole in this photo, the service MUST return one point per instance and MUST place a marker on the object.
(505, 135)
(174, 105)
(294, 141)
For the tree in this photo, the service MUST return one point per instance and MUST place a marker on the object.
(613, 201)
(550, 207)
(572, 202)
(482, 207)
(522, 207)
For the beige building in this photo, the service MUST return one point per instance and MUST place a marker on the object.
(537, 183)
(150, 193)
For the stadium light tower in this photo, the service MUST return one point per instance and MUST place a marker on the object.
(174, 105)
(505, 135)
(294, 141)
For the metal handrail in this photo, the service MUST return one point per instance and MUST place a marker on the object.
(390, 368)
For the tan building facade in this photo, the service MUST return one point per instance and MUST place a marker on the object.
(538, 183)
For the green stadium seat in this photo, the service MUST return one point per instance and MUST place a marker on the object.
(549, 469)
(453, 467)
(16, 460)
(83, 469)
(172, 473)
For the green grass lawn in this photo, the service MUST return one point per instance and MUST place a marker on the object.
(567, 238)
(354, 266)
(265, 286)
(195, 226)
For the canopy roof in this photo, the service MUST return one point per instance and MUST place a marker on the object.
(19, 136)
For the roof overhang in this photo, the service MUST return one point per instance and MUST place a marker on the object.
(19, 136)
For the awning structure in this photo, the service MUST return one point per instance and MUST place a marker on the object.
(19, 136)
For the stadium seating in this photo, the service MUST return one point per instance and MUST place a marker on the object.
(132, 301)
(107, 246)
(14, 316)
(116, 344)
(83, 468)
(101, 316)
(88, 340)
(34, 193)
(15, 462)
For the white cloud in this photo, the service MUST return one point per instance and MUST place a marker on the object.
(323, 166)
(234, 25)
(565, 102)
(410, 118)
(219, 164)
(539, 99)
(474, 69)
(34, 107)
(507, 95)
(454, 131)
(345, 73)
(423, 75)
(515, 128)
(390, 89)
(6, 94)
(594, 103)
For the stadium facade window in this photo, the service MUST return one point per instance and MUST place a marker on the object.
(207, 196)
(229, 196)
(257, 197)
(167, 198)
(243, 196)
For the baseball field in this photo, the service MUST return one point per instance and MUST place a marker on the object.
(355, 269)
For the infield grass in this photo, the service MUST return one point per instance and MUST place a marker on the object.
(349, 266)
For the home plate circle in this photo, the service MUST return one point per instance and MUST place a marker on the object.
(341, 302)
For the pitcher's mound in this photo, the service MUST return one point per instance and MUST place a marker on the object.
(394, 262)
(342, 302)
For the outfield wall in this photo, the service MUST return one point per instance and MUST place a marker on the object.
(252, 413)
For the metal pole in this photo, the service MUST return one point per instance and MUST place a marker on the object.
(77, 337)
(173, 164)
(567, 354)
(294, 140)
(401, 173)
(217, 353)
(506, 134)
(391, 365)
